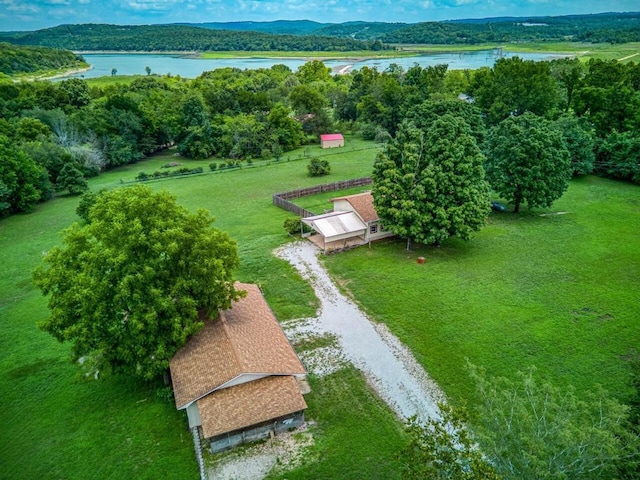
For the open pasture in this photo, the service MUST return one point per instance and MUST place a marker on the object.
(558, 291)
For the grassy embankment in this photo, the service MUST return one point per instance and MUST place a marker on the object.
(605, 51)
(558, 291)
(328, 55)
(55, 425)
(51, 74)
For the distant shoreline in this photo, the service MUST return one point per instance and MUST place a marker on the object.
(45, 76)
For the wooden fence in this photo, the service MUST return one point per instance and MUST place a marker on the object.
(282, 199)
(291, 207)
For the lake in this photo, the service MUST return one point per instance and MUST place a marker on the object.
(191, 67)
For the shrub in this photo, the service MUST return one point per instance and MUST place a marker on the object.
(318, 168)
(213, 166)
(382, 136)
(367, 131)
(170, 164)
(294, 226)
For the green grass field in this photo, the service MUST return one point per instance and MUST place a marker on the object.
(558, 291)
(55, 425)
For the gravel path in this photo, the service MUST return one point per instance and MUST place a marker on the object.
(386, 363)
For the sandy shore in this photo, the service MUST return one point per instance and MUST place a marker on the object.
(64, 74)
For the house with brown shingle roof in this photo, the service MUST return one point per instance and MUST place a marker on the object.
(353, 221)
(239, 378)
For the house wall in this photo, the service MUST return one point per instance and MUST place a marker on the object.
(376, 232)
(256, 432)
(193, 415)
(332, 143)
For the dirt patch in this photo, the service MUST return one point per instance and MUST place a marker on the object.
(280, 453)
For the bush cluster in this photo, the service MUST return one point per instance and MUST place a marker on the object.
(143, 176)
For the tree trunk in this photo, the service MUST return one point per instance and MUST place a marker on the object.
(517, 200)
(409, 244)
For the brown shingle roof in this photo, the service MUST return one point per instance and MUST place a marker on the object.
(362, 203)
(246, 339)
(249, 404)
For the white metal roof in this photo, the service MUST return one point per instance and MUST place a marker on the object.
(337, 225)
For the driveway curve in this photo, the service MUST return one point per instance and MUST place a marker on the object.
(389, 367)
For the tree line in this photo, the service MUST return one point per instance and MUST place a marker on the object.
(16, 60)
(176, 38)
(610, 28)
(305, 36)
(57, 134)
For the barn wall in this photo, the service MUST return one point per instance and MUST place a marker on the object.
(256, 432)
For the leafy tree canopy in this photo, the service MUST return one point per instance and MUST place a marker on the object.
(528, 161)
(579, 138)
(127, 287)
(515, 86)
(532, 429)
(24, 183)
(429, 185)
(444, 449)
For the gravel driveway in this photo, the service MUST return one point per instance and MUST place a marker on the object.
(386, 363)
(389, 367)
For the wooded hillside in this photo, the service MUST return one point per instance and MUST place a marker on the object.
(15, 59)
(174, 38)
(608, 27)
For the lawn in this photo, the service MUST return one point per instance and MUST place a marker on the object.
(55, 425)
(556, 291)
(559, 292)
(356, 434)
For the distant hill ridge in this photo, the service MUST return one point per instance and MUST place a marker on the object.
(159, 38)
(306, 35)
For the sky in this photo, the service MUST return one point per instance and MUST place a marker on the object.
(36, 14)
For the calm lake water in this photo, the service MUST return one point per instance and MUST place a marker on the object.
(190, 67)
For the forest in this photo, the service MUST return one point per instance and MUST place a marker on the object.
(609, 27)
(16, 60)
(55, 135)
(349, 36)
(176, 38)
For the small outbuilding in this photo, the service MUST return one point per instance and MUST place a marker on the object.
(239, 378)
(331, 140)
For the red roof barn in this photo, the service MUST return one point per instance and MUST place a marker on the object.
(331, 140)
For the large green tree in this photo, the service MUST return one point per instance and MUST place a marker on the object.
(127, 287)
(515, 86)
(444, 449)
(530, 428)
(619, 156)
(72, 180)
(428, 185)
(528, 161)
(24, 182)
(578, 135)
